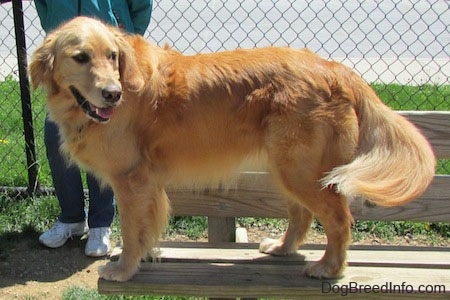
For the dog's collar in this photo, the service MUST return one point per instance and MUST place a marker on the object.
(86, 106)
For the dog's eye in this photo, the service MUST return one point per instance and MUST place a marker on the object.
(81, 58)
(113, 56)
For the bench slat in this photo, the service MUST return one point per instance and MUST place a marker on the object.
(242, 280)
(253, 194)
(381, 256)
(434, 125)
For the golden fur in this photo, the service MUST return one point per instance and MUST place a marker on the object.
(179, 119)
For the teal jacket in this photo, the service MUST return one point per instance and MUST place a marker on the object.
(132, 16)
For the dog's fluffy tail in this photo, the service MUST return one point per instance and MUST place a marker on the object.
(394, 163)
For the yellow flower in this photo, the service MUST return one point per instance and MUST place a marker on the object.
(5, 142)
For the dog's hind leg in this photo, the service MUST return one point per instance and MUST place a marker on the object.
(143, 208)
(298, 159)
(300, 220)
(333, 213)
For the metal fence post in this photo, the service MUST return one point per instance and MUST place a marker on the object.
(30, 149)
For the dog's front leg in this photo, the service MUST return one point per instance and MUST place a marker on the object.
(143, 208)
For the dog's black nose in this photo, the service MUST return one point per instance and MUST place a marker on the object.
(112, 93)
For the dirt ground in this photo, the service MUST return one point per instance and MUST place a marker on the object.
(29, 270)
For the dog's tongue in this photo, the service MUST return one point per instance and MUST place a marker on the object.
(104, 113)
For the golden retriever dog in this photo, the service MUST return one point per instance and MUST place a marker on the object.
(141, 117)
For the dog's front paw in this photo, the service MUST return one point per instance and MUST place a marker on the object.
(323, 270)
(114, 271)
(274, 247)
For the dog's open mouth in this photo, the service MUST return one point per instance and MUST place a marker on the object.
(99, 114)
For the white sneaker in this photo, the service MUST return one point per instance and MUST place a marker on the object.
(98, 243)
(57, 236)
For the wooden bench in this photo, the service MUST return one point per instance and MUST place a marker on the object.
(219, 268)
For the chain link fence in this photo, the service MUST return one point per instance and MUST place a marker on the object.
(401, 47)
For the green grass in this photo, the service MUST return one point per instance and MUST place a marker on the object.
(77, 293)
(191, 227)
(12, 144)
(433, 232)
(30, 216)
(406, 97)
(25, 218)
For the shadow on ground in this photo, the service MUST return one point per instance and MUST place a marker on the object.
(24, 259)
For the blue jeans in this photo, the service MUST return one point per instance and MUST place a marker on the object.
(69, 187)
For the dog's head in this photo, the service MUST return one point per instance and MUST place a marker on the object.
(89, 61)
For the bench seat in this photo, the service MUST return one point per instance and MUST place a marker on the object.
(238, 270)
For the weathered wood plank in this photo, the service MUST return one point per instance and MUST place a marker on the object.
(435, 126)
(253, 194)
(221, 230)
(375, 256)
(239, 270)
(432, 206)
(257, 280)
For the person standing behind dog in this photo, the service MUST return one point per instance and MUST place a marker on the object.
(133, 17)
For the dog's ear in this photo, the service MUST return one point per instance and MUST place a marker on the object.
(130, 73)
(41, 64)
